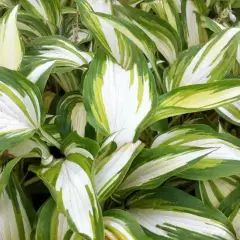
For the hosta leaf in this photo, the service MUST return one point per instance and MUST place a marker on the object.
(79, 35)
(52, 225)
(71, 185)
(119, 224)
(112, 41)
(50, 11)
(170, 213)
(33, 147)
(118, 100)
(160, 32)
(195, 98)
(211, 24)
(230, 112)
(194, 31)
(231, 208)
(134, 33)
(72, 115)
(69, 81)
(111, 169)
(5, 4)
(38, 72)
(222, 162)
(16, 213)
(56, 48)
(201, 64)
(213, 192)
(168, 10)
(52, 130)
(11, 51)
(153, 166)
(73, 143)
(21, 108)
(30, 26)
(6, 172)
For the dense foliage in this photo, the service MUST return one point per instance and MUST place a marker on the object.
(119, 119)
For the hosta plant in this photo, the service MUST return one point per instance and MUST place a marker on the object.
(119, 119)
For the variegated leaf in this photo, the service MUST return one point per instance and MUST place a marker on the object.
(213, 192)
(30, 26)
(167, 10)
(153, 166)
(11, 51)
(222, 162)
(230, 112)
(119, 224)
(38, 72)
(135, 34)
(51, 130)
(33, 147)
(21, 108)
(52, 225)
(71, 114)
(69, 81)
(118, 100)
(50, 11)
(5, 4)
(71, 185)
(56, 48)
(194, 31)
(159, 31)
(6, 172)
(170, 213)
(112, 41)
(16, 213)
(231, 208)
(212, 24)
(201, 64)
(195, 98)
(111, 168)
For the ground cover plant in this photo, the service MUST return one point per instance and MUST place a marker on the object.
(119, 119)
